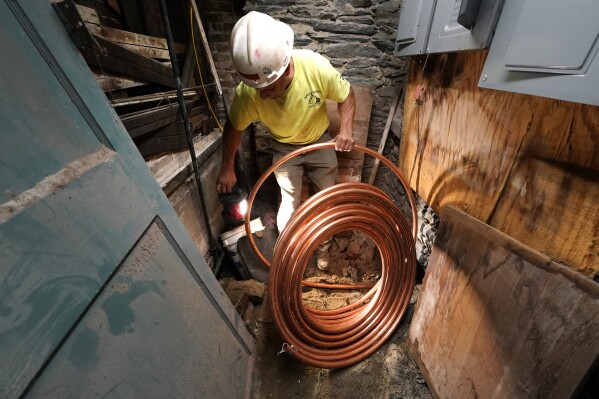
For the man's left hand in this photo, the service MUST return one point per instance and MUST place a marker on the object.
(343, 142)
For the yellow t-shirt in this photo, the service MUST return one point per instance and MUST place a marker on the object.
(299, 116)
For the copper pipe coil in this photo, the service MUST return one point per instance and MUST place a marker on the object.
(340, 337)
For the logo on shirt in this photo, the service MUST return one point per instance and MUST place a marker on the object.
(313, 98)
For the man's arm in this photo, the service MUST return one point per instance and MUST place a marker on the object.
(344, 141)
(226, 178)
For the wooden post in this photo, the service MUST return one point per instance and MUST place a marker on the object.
(196, 13)
(392, 109)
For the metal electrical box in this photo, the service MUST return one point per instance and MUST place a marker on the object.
(546, 48)
(463, 25)
(438, 26)
(415, 17)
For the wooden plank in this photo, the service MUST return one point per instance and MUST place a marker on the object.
(110, 82)
(170, 138)
(173, 170)
(550, 200)
(496, 318)
(156, 123)
(136, 40)
(127, 39)
(141, 118)
(200, 27)
(113, 57)
(103, 53)
(350, 163)
(162, 97)
(167, 167)
(523, 164)
(88, 15)
(392, 108)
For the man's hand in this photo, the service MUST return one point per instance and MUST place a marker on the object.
(226, 180)
(226, 177)
(343, 142)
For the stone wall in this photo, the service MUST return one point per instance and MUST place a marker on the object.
(357, 36)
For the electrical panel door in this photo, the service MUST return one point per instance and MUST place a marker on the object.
(415, 17)
(546, 48)
(438, 26)
(463, 25)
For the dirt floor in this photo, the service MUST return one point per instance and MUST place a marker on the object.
(388, 373)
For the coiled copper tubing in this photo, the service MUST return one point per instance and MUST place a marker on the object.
(340, 337)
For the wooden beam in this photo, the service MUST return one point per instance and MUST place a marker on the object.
(392, 108)
(137, 40)
(113, 57)
(170, 138)
(166, 96)
(150, 12)
(109, 82)
(177, 165)
(90, 17)
(109, 56)
(149, 121)
(351, 163)
(198, 20)
(149, 46)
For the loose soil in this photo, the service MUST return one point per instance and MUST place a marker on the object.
(388, 373)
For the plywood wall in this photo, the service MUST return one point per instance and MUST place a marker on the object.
(497, 319)
(526, 165)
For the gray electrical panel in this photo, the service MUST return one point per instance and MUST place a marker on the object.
(415, 17)
(447, 32)
(437, 26)
(546, 48)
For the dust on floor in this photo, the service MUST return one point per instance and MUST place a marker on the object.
(388, 373)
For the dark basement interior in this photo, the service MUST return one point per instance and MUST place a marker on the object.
(464, 236)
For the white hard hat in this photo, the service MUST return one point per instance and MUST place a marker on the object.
(261, 47)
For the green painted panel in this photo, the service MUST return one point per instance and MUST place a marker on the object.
(79, 199)
(153, 325)
(57, 254)
(32, 95)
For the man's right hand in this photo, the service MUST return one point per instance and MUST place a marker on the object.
(226, 177)
(226, 180)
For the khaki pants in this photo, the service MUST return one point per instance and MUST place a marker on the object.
(320, 166)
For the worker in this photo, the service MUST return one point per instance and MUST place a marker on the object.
(286, 89)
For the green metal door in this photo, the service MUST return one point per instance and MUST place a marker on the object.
(102, 292)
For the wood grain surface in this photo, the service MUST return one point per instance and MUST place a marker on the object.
(526, 165)
(496, 318)
(350, 164)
